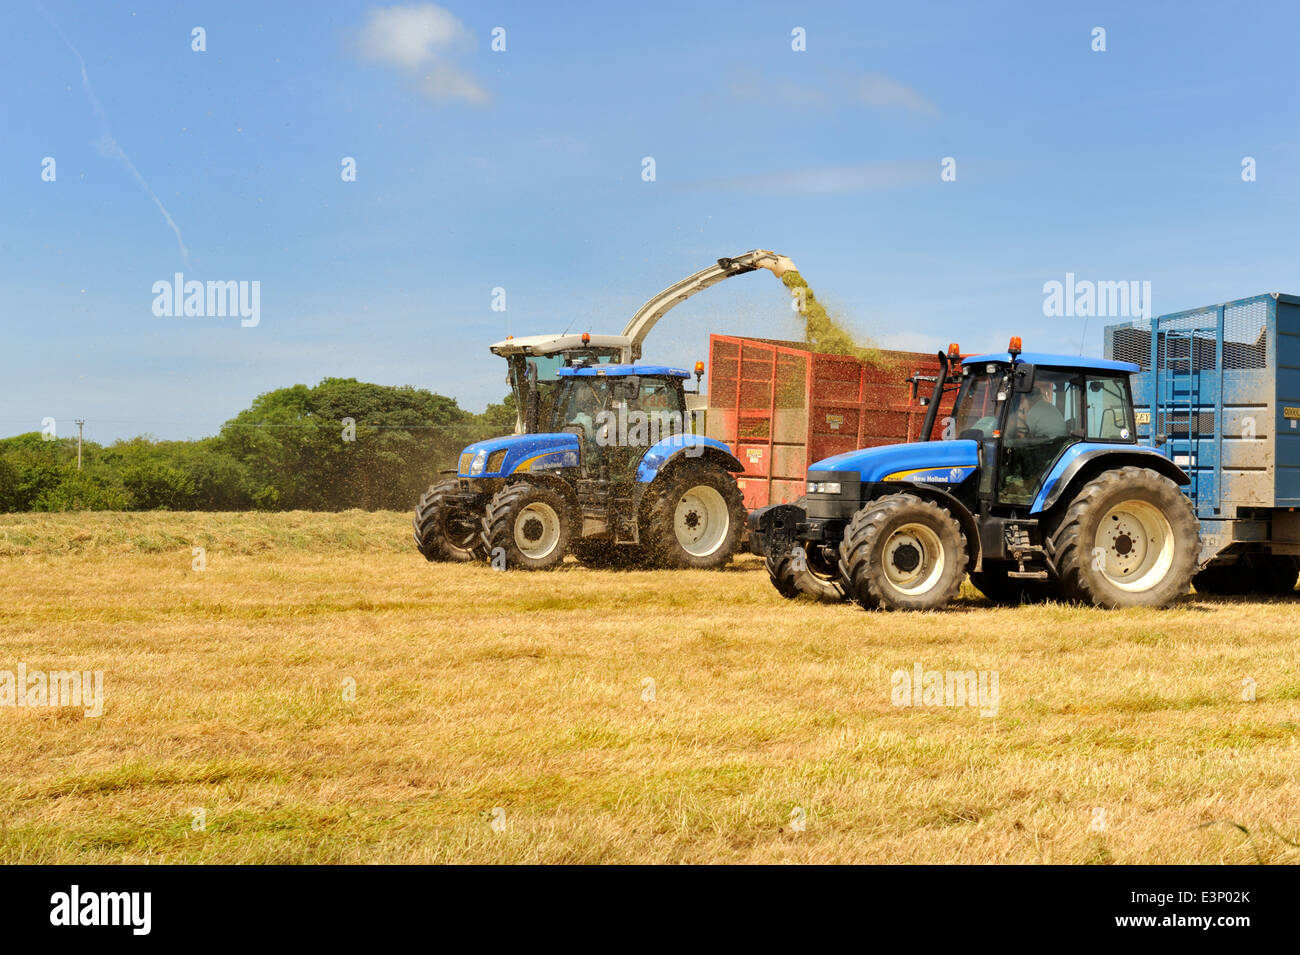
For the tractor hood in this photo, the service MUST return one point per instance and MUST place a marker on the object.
(518, 453)
(924, 462)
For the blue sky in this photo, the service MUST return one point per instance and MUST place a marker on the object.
(522, 169)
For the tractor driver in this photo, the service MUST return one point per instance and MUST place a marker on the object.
(1039, 416)
(584, 406)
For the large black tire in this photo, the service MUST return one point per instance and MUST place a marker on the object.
(789, 583)
(1280, 573)
(444, 532)
(1120, 515)
(604, 554)
(994, 584)
(694, 517)
(902, 552)
(529, 525)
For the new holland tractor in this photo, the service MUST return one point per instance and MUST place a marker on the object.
(1041, 490)
(605, 462)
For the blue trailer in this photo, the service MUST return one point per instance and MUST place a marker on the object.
(1218, 393)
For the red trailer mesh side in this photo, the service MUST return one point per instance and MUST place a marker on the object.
(781, 407)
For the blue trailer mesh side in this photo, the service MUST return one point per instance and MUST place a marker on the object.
(1207, 398)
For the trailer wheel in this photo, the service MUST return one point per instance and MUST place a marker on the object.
(530, 525)
(1222, 580)
(694, 518)
(601, 554)
(444, 532)
(1128, 539)
(1280, 575)
(902, 552)
(1267, 574)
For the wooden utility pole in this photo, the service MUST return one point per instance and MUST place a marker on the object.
(80, 423)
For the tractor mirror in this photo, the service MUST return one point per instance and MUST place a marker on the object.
(626, 389)
(1023, 378)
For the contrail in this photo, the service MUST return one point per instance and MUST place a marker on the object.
(107, 143)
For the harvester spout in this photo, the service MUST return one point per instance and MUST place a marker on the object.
(648, 314)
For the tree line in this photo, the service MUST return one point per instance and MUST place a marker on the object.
(343, 443)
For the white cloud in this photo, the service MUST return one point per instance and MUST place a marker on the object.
(874, 91)
(882, 92)
(421, 41)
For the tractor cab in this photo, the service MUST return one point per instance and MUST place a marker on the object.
(1026, 410)
(618, 412)
(534, 365)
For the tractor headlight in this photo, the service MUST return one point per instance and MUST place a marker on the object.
(480, 460)
(824, 487)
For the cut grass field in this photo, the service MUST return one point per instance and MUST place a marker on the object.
(1119, 736)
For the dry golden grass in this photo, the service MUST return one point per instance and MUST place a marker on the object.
(476, 690)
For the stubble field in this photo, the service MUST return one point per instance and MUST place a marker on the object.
(319, 693)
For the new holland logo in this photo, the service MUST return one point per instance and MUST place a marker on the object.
(754, 454)
(1290, 413)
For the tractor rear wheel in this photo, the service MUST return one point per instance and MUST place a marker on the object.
(902, 552)
(529, 525)
(695, 517)
(446, 532)
(1128, 539)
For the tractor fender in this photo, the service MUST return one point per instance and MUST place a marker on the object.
(684, 447)
(969, 525)
(1080, 462)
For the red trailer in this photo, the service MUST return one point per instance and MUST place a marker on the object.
(782, 407)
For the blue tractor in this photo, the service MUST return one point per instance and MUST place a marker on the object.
(616, 477)
(1041, 489)
(605, 462)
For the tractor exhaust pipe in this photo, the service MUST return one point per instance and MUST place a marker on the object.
(932, 412)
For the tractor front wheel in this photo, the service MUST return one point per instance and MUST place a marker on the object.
(695, 518)
(444, 531)
(1128, 539)
(528, 524)
(902, 552)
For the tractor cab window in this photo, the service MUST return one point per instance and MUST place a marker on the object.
(582, 399)
(976, 414)
(1109, 405)
(660, 398)
(1039, 424)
